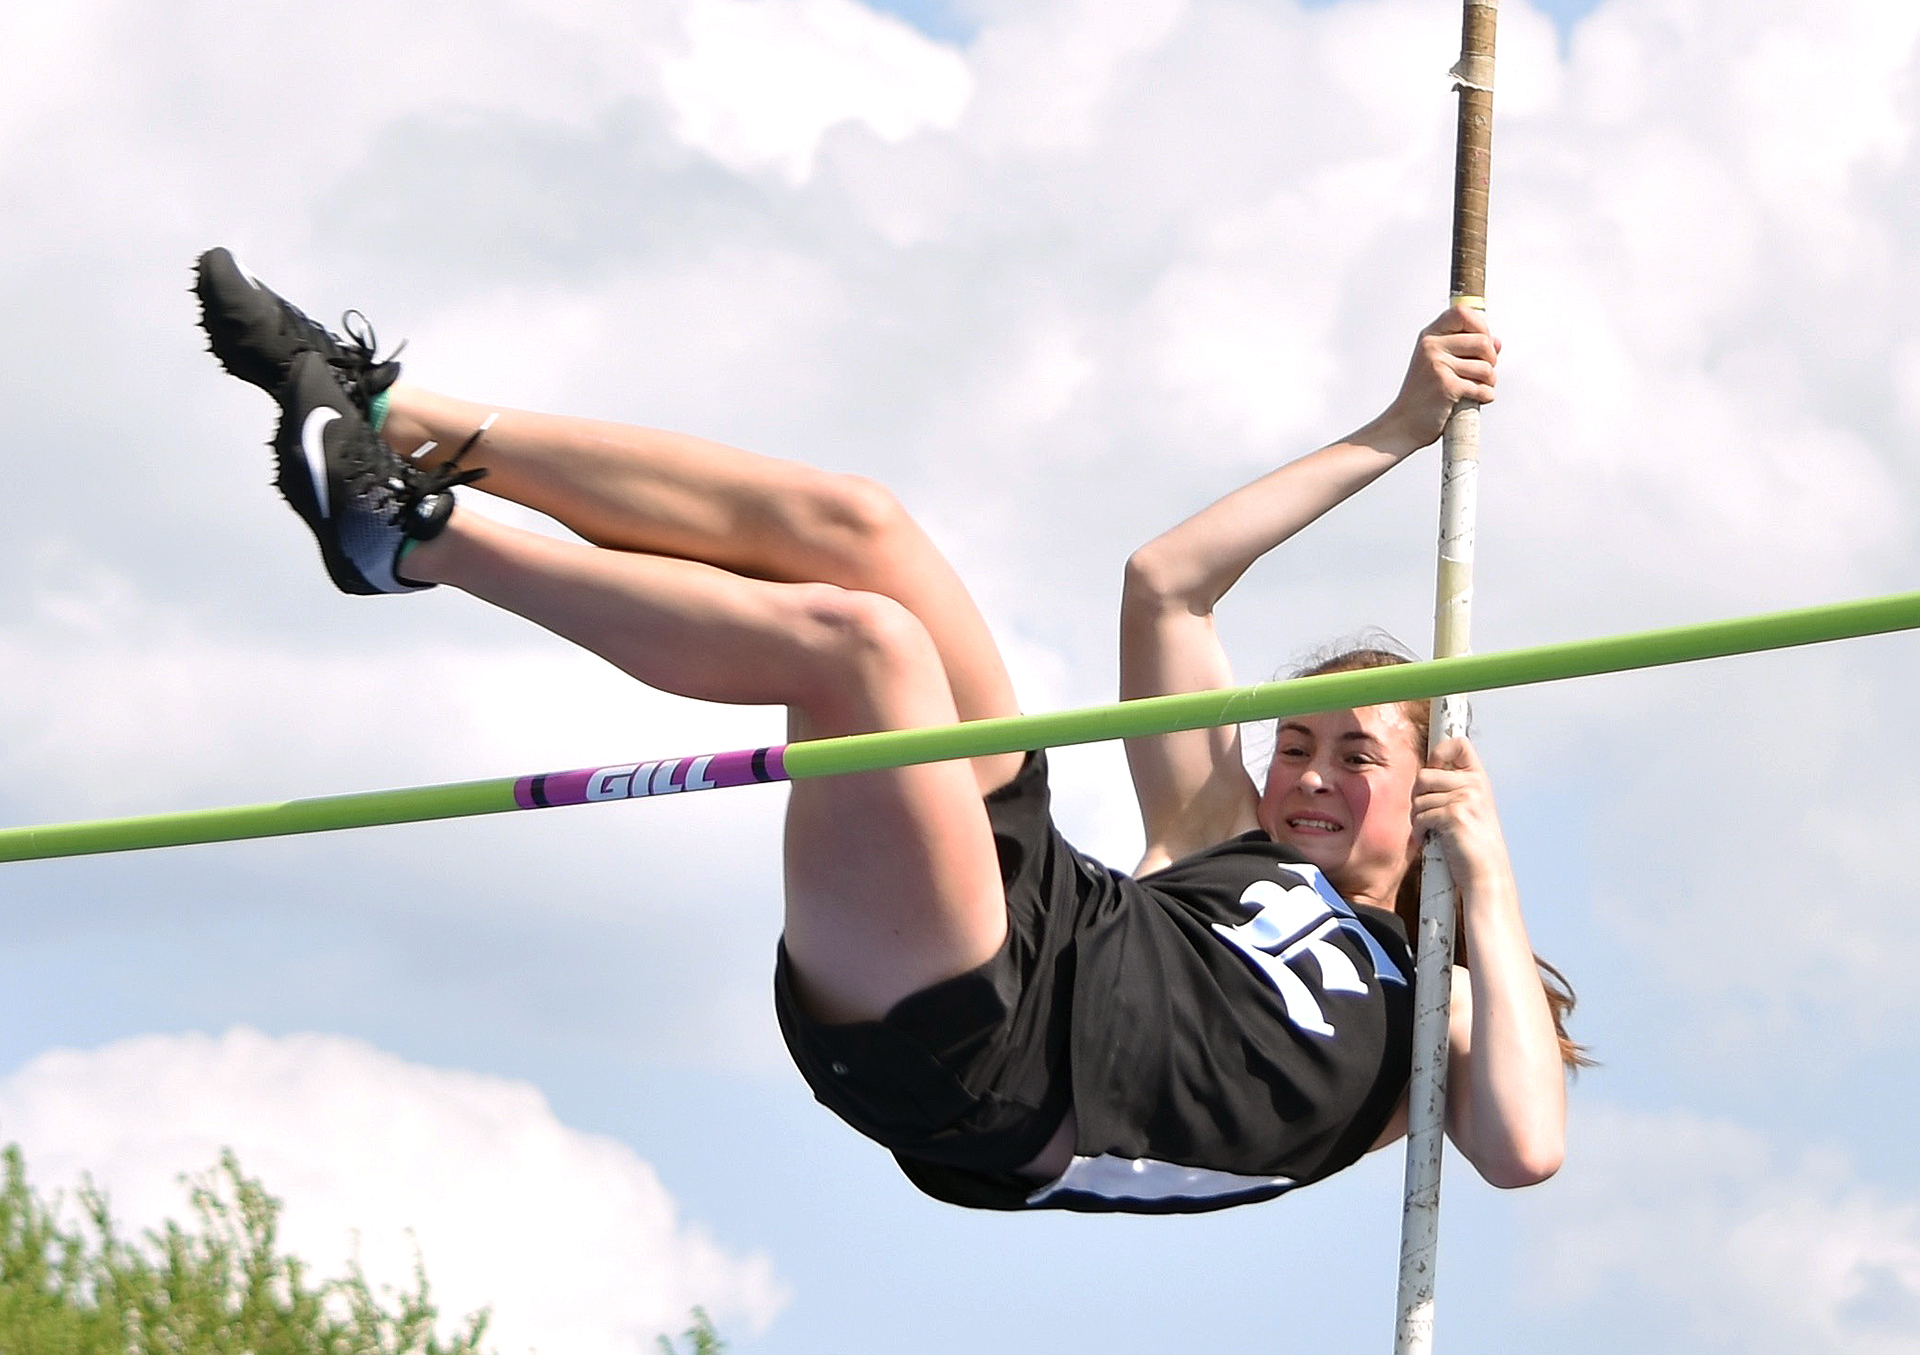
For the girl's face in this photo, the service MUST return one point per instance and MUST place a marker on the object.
(1340, 792)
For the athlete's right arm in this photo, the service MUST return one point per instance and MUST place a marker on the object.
(1192, 788)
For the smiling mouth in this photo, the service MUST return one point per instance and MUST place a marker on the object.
(1313, 825)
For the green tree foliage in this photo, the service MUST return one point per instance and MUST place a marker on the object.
(221, 1288)
(701, 1338)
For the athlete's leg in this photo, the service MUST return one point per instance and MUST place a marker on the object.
(633, 488)
(643, 489)
(893, 881)
(809, 590)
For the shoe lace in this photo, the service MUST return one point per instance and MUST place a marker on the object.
(356, 357)
(447, 475)
(391, 485)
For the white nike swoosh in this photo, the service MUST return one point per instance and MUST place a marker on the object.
(311, 444)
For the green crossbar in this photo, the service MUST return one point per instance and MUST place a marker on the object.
(977, 738)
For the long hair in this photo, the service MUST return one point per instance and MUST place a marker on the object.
(1560, 995)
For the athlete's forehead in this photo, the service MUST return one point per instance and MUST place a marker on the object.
(1376, 724)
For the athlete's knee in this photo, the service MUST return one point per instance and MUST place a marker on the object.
(864, 627)
(857, 519)
(856, 640)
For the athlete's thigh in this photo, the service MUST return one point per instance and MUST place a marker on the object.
(892, 877)
(892, 884)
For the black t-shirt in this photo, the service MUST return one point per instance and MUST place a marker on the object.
(1237, 1030)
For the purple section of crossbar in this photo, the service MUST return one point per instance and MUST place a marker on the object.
(667, 776)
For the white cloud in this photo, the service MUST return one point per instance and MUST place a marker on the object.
(1048, 73)
(1730, 1241)
(758, 84)
(569, 1237)
(182, 717)
(1755, 841)
(1905, 368)
(180, 714)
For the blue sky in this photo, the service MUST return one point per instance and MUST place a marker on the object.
(1054, 278)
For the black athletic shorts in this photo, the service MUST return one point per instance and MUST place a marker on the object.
(971, 1073)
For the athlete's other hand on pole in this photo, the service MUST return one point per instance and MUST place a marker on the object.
(1453, 801)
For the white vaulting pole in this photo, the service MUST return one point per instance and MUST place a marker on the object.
(1460, 467)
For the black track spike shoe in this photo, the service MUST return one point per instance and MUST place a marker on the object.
(363, 501)
(257, 335)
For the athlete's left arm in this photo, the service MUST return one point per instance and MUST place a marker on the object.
(1507, 1086)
